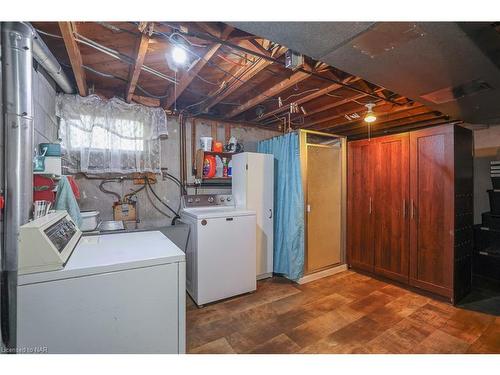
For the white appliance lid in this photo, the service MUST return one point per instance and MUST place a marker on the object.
(113, 252)
(215, 212)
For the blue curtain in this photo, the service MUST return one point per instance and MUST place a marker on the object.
(288, 205)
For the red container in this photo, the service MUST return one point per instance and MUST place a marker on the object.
(43, 189)
(217, 147)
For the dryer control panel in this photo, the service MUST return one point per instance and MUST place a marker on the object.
(207, 200)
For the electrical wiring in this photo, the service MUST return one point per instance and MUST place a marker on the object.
(334, 96)
(207, 81)
(299, 94)
(120, 56)
(146, 180)
(48, 34)
(186, 39)
(139, 87)
(156, 207)
(229, 60)
(101, 188)
(210, 63)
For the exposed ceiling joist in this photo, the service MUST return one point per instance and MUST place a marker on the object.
(406, 127)
(75, 58)
(252, 45)
(421, 114)
(338, 103)
(210, 28)
(188, 77)
(272, 91)
(244, 74)
(135, 69)
(329, 125)
(310, 97)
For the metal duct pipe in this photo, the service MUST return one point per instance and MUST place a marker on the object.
(46, 59)
(2, 343)
(17, 70)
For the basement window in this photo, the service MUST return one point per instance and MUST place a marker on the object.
(109, 136)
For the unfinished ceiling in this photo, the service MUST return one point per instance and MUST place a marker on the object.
(448, 66)
(236, 76)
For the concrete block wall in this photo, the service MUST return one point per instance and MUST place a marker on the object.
(46, 130)
(93, 199)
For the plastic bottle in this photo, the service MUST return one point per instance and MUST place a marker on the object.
(224, 167)
(230, 168)
(219, 166)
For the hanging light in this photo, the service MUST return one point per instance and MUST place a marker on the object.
(370, 115)
(179, 55)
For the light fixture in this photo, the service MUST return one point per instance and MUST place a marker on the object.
(179, 55)
(370, 116)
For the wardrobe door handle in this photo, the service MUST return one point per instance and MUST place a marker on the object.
(412, 208)
(404, 208)
(270, 214)
(371, 206)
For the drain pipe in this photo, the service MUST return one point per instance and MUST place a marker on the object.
(17, 66)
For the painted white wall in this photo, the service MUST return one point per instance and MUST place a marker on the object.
(486, 148)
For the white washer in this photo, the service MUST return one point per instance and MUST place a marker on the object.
(118, 293)
(221, 254)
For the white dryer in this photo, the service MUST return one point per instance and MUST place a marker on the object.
(221, 252)
(117, 293)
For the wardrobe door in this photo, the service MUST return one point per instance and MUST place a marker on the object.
(391, 224)
(360, 188)
(432, 209)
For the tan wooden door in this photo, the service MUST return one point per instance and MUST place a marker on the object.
(323, 207)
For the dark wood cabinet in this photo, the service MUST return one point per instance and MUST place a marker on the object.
(391, 208)
(361, 161)
(415, 190)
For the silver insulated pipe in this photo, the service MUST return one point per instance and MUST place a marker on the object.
(17, 66)
(46, 59)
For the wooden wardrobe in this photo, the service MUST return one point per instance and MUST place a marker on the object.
(409, 208)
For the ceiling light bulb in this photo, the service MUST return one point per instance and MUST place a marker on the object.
(370, 116)
(179, 55)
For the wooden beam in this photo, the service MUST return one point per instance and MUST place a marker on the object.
(227, 132)
(410, 118)
(193, 146)
(404, 128)
(338, 103)
(210, 28)
(273, 91)
(188, 77)
(146, 100)
(329, 125)
(75, 58)
(244, 74)
(213, 132)
(313, 96)
(141, 49)
(252, 45)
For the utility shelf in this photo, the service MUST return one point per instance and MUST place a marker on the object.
(200, 156)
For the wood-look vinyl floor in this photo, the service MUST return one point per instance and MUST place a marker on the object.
(344, 313)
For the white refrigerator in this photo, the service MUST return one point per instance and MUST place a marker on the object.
(253, 188)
